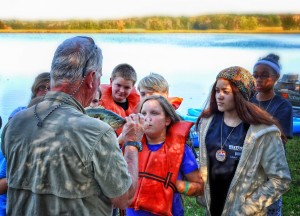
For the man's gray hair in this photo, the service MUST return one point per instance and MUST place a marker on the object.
(74, 59)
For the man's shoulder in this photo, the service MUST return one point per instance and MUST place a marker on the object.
(15, 111)
(90, 122)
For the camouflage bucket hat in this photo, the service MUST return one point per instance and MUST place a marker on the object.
(241, 78)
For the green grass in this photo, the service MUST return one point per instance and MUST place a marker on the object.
(191, 208)
(291, 199)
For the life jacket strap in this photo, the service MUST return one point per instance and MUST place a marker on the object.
(122, 212)
(166, 181)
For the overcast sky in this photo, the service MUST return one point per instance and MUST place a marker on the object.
(103, 9)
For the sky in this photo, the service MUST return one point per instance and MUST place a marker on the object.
(114, 9)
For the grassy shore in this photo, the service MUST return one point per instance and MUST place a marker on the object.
(257, 31)
(291, 200)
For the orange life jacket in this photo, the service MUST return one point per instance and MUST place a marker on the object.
(108, 103)
(158, 171)
(175, 101)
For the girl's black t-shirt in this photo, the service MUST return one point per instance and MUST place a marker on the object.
(221, 173)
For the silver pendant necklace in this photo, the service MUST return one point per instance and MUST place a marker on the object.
(221, 154)
(268, 103)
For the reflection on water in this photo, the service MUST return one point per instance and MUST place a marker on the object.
(257, 41)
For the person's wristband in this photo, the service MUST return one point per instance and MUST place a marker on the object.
(138, 145)
(186, 187)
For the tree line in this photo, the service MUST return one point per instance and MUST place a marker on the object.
(160, 23)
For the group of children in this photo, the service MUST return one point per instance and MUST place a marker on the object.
(243, 168)
(218, 165)
(122, 94)
(163, 131)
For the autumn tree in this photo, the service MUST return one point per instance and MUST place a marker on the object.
(154, 24)
(120, 25)
(288, 22)
(2, 25)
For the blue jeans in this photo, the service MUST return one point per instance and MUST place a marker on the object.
(275, 208)
(115, 212)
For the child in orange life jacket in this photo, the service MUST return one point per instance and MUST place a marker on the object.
(164, 162)
(156, 84)
(120, 96)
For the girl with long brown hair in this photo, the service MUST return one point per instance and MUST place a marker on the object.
(242, 158)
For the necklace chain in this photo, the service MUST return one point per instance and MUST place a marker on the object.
(267, 105)
(223, 144)
(40, 121)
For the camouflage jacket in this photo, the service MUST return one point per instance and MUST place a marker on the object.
(71, 165)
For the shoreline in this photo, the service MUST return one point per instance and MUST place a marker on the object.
(143, 31)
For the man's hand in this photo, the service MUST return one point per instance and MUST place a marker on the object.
(133, 129)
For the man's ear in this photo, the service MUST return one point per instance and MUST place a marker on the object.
(89, 81)
(110, 81)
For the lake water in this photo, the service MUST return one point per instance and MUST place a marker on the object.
(189, 62)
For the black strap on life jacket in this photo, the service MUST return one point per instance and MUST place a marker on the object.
(122, 212)
(166, 181)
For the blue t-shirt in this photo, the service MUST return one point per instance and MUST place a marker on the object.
(2, 175)
(188, 165)
(281, 109)
(3, 197)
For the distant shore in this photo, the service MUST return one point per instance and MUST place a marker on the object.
(258, 31)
